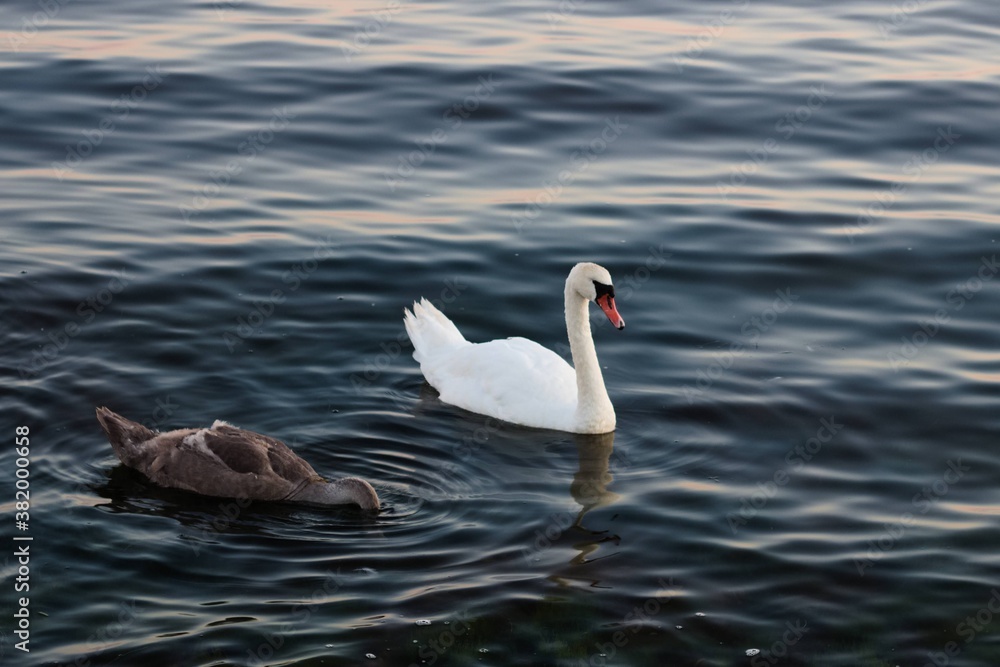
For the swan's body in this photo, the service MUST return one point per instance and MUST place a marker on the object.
(228, 462)
(518, 380)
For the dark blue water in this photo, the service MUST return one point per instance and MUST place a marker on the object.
(219, 210)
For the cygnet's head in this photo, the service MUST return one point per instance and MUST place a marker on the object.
(361, 492)
(343, 491)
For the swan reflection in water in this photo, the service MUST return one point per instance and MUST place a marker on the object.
(511, 457)
(589, 488)
(590, 483)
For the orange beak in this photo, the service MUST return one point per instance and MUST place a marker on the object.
(607, 304)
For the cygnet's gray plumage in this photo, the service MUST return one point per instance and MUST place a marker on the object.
(228, 462)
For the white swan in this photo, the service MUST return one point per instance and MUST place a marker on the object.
(518, 380)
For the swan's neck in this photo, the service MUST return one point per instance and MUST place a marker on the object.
(594, 411)
(345, 491)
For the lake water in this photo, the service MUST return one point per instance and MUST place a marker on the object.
(220, 210)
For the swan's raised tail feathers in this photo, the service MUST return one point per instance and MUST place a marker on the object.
(123, 434)
(430, 331)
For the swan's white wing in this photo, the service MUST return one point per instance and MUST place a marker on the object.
(514, 379)
(430, 331)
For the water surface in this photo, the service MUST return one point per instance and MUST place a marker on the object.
(219, 210)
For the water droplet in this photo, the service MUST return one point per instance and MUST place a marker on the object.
(679, 627)
(484, 650)
(751, 652)
(699, 614)
(370, 656)
(423, 622)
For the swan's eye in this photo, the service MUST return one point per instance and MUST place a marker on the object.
(603, 289)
